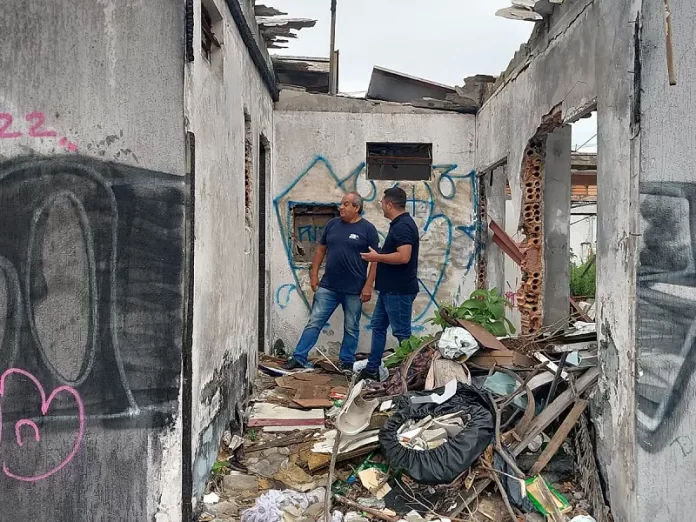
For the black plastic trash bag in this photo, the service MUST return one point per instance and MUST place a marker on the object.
(445, 463)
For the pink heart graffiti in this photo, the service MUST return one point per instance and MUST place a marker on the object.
(45, 405)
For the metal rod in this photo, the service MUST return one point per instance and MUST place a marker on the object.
(556, 378)
(332, 51)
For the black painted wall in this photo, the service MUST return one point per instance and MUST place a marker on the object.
(92, 269)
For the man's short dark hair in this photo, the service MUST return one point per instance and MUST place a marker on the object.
(396, 196)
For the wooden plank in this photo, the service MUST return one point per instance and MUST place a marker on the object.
(555, 409)
(559, 437)
(301, 423)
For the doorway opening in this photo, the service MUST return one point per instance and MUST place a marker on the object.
(261, 212)
(583, 218)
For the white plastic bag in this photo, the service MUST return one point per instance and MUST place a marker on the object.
(455, 342)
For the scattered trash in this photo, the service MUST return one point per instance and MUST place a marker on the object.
(386, 405)
(375, 481)
(545, 498)
(211, 498)
(443, 371)
(434, 440)
(437, 398)
(359, 366)
(348, 443)
(271, 506)
(456, 343)
(274, 418)
(503, 384)
(356, 413)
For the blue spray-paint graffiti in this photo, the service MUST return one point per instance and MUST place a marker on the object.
(445, 209)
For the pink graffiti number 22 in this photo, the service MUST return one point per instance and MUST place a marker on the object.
(45, 405)
(35, 131)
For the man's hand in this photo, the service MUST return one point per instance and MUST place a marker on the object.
(366, 295)
(314, 282)
(371, 256)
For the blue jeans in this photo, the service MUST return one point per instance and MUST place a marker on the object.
(394, 310)
(325, 303)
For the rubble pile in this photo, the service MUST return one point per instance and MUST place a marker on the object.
(467, 427)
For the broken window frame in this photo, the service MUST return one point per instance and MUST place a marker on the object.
(208, 38)
(304, 208)
(398, 154)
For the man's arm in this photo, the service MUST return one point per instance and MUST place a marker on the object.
(366, 294)
(317, 260)
(400, 257)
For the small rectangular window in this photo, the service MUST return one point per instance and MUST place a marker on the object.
(308, 222)
(248, 168)
(399, 161)
(210, 20)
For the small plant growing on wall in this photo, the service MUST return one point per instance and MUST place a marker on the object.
(484, 307)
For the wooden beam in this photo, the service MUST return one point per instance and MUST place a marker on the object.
(559, 437)
(555, 409)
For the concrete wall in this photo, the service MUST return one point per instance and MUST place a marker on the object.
(584, 41)
(319, 155)
(218, 94)
(665, 391)
(92, 212)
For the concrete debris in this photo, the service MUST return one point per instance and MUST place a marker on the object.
(236, 483)
(295, 478)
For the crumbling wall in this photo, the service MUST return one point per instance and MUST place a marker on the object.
(584, 55)
(320, 154)
(93, 211)
(229, 112)
(530, 295)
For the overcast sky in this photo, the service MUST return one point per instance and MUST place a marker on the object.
(440, 40)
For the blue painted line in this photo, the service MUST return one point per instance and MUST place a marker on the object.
(283, 303)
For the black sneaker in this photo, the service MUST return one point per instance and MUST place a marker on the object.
(346, 368)
(294, 364)
(368, 375)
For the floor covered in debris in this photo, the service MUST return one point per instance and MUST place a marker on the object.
(466, 427)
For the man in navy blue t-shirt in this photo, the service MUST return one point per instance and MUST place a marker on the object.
(397, 278)
(345, 281)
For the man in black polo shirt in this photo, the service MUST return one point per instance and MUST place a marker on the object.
(397, 278)
(346, 281)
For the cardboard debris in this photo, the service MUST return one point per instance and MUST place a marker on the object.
(309, 396)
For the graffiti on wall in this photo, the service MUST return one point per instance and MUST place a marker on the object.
(34, 126)
(444, 209)
(91, 289)
(666, 315)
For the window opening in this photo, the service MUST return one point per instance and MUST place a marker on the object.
(399, 161)
(308, 223)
